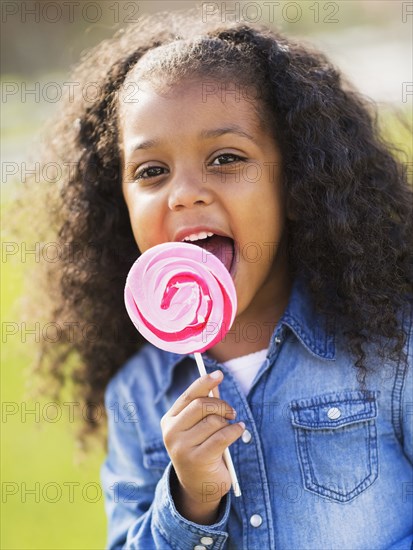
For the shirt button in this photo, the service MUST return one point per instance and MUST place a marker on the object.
(246, 436)
(256, 520)
(277, 340)
(333, 413)
(206, 540)
(199, 547)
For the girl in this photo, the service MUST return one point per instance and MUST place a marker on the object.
(250, 145)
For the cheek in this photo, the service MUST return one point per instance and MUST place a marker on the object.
(146, 220)
(263, 208)
(140, 226)
(274, 202)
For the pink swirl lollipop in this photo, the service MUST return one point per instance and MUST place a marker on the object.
(180, 297)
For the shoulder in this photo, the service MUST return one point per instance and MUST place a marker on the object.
(142, 374)
(403, 381)
(406, 316)
(403, 388)
(408, 329)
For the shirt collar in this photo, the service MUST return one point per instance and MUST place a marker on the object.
(315, 331)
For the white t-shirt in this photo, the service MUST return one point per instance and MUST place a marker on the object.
(246, 367)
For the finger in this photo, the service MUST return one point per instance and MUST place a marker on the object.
(202, 431)
(199, 409)
(199, 388)
(215, 445)
(214, 392)
(192, 439)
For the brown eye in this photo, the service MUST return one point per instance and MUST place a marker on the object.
(150, 172)
(227, 158)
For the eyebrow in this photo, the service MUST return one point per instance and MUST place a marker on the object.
(205, 134)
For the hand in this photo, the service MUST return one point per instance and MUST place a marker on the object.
(196, 433)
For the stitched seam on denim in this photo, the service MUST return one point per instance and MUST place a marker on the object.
(163, 535)
(220, 535)
(304, 454)
(263, 471)
(398, 387)
(156, 464)
(264, 380)
(286, 334)
(155, 456)
(312, 345)
(298, 451)
(154, 445)
(334, 397)
(374, 449)
(265, 489)
(220, 539)
(243, 518)
(355, 419)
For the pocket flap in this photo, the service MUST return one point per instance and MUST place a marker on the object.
(155, 455)
(334, 410)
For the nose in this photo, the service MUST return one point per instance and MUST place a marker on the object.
(189, 191)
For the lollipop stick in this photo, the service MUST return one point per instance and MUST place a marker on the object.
(227, 457)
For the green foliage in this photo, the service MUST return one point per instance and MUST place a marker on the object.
(57, 504)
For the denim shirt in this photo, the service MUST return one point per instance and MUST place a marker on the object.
(323, 464)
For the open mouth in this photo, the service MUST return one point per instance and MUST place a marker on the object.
(222, 247)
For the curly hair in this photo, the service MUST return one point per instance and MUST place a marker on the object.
(351, 219)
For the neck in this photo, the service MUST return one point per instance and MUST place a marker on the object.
(253, 328)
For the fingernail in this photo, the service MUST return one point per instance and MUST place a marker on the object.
(216, 374)
(242, 425)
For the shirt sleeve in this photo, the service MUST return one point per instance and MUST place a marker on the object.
(405, 544)
(139, 506)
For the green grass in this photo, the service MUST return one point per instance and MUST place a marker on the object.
(38, 454)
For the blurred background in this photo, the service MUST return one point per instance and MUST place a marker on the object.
(49, 498)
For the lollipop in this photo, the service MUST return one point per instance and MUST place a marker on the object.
(182, 299)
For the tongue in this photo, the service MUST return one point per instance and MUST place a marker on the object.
(221, 247)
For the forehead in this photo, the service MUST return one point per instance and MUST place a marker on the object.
(187, 104)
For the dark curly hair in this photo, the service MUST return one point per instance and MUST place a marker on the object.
(350, 232)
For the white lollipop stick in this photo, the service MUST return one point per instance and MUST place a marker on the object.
(227, 456)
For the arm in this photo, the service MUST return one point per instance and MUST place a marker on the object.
(405, 387)
(407, 399)
(140, 508)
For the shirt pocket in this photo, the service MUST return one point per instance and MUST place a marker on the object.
(336, 440)
(155, 455)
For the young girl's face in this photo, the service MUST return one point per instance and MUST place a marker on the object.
(197, 162)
